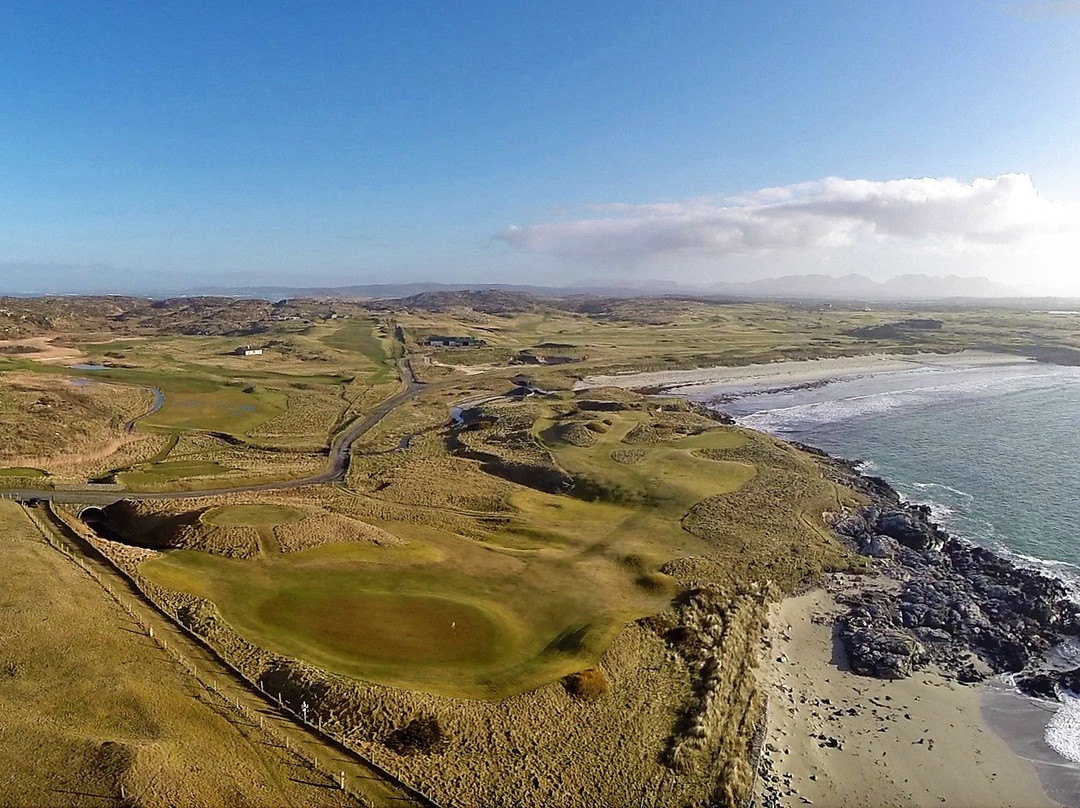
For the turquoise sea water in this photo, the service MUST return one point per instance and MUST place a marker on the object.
(994, 450)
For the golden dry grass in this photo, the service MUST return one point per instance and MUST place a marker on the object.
(70, 428)
(88, 705)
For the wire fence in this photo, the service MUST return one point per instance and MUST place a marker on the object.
(253, 718)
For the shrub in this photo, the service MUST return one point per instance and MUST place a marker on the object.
(655, 582)
(422, 735)
(588, 685)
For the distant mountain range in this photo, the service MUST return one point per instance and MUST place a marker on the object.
(859, 287)
(788, 287)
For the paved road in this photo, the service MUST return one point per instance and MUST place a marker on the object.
(336, 467)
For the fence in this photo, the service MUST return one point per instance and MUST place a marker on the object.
(191, 668)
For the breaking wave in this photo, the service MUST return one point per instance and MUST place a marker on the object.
(1063, 731)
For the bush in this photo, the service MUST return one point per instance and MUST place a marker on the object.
(656, 582)
(588, 685)
(592, 489)
(421, 735)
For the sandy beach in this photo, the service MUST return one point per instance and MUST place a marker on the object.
(838, 739)
(782, 374)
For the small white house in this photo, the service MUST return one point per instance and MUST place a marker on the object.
(247, 350)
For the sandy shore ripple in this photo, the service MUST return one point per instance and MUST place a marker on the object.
(782, 374)
(838, 739)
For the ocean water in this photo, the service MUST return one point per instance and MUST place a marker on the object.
(994, 451)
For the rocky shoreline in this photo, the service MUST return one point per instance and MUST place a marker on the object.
(944, 602)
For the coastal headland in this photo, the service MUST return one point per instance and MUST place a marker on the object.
(476, 574)
(910, 652)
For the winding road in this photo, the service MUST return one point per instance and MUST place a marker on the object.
(337, 465)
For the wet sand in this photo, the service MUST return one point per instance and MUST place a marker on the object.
(783, 374)
(1021, 722)
(838, 739)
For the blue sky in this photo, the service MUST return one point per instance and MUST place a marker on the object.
(172, 144)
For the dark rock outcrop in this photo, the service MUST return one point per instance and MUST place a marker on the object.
(964, 608)
(875, 645)
(1046, 684)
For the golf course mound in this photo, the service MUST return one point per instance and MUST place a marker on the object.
(575, 433)
(325, 527)
(389, 628)
(289, 529)
(245, 531)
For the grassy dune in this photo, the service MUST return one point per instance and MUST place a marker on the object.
(88, 705)
(535, 594)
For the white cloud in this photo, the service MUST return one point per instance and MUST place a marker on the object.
(937, 215)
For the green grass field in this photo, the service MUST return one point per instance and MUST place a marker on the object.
(22, 472)
(358, 336)
(396, 614)
(170, 471)
(226, 409)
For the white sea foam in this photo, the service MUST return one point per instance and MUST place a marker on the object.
(943, 487)
(941, 514)
(1063, 731)
(1067, 573)
(784, 419)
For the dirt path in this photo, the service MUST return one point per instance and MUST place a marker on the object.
(41, 349)
(331, 759)
(268, 542)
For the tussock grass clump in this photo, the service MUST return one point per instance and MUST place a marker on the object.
(668, 425)
(433, 481)
(309, 415)
(323, 527)
(771, 528)
(575, 433)
(629, 457)
(506, 447)
(718, 633)
(590, 684)
(609, 399)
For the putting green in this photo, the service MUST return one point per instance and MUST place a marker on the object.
(388, 628)
(252, 515)
(385, 614)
